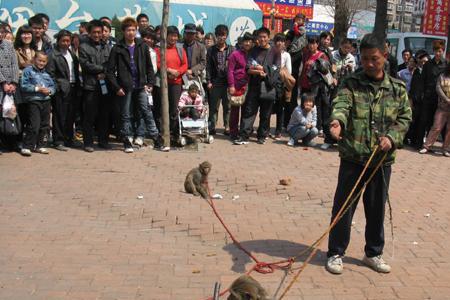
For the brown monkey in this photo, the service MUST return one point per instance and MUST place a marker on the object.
(196, 179)
(247, 288)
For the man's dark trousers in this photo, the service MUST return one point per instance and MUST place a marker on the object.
(96, 111)
(64, 113)
(374, 198)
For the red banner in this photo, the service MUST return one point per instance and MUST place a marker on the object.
(436, 18)
(285, 11)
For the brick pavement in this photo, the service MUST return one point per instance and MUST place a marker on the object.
(72, 226)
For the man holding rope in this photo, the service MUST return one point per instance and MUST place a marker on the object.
(370, 113)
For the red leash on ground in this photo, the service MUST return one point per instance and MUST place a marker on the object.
(259, 266)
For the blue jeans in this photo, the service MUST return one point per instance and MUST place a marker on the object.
(305, 134)
(138, 100)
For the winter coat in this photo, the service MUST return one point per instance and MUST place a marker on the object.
(119, 67)
(58, 68)
(93, 60)
(32, 78)
(368, 110)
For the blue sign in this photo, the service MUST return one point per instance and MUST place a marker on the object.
(315, 28)
(67, 14)
(305, 3)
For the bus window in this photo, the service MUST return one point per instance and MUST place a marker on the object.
(417, 43)
(394, 46)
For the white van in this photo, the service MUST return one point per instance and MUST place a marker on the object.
(413, 41)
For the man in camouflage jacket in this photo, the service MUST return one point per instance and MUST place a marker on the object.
(371, 108)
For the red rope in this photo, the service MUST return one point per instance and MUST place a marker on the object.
(259, 266)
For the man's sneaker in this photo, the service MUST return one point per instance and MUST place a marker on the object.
(61, 147)
(25, 152)
(261, 141)
(334, 264)
(165, 148)
(240, 141)
(291, 142)
(277, 136)
(42, 150)
(139, 141)
(446, 154)
(423, 151)
(377, 263)
(128, 150)
(89, 149)
(325, 146)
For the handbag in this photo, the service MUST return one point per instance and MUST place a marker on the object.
(238, 98)
(10, 126)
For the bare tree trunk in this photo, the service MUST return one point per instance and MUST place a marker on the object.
(341, 21)
(381, 22)
(164, 88)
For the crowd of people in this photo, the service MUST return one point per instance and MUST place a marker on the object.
(89, 86)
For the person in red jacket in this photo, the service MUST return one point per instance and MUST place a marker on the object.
(176, 60)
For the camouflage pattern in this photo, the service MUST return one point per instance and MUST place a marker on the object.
(368, 110)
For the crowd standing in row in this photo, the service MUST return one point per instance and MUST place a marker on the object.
(93, 83)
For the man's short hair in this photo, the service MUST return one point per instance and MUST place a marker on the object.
(200, 29)
(264, 30)
(43, 16)
(406, 50)
(36, 20)
(172, 30)
(147, 32)
(279, 37)
(141, 16)
(346, 41)
(105, 18)
(128, 22)
(106, 24)
(93, 24)
(325, 34)
(62, 33)
(84, 24)
(372, 41)
(221, 30)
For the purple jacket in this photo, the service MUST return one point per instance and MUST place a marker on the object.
(237, 73)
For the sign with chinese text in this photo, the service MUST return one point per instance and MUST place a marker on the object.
(287, 8)
(315, 28)
(435, 20)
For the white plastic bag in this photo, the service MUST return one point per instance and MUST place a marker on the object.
(9, 109)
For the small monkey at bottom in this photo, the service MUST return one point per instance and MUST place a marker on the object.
(247, 288)
(196, 180)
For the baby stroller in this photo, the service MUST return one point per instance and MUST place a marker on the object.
(197, 127)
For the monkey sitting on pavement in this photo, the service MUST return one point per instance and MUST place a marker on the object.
(247, 288)
(196, 180)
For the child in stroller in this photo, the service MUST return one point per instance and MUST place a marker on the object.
(191, 97)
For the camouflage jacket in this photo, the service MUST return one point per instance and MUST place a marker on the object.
(368, 110)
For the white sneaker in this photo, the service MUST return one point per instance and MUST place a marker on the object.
(139, 141)
(334, 264)
(291, 142)
(377, 263)
(325, 146)
(128, 150)
(42, 151)
(423, 151)
(25, 152)
(165, 149)
(446, 154)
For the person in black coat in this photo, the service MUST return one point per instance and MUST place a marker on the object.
(430, 73)
(63, 66)
(131, 76)
(93, 56)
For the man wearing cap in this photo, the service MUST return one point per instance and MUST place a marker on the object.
(196, 53)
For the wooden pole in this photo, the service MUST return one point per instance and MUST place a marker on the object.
(165, 128)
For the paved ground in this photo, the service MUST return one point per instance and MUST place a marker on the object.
(72, 226)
